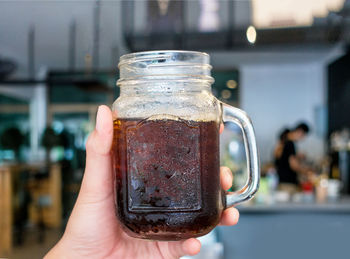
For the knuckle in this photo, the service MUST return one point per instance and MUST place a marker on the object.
(89, 143)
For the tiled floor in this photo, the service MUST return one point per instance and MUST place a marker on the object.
(31, 248)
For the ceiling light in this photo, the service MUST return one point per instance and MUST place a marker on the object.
(251, 34)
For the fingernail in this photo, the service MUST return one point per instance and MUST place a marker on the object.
(98, 120)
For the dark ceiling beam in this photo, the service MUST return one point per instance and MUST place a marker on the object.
(317, 35)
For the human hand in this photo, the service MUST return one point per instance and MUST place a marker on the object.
(93, 230)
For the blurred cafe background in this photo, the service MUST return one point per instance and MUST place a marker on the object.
(282, 61)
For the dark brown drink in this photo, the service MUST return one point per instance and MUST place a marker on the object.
(167, 177)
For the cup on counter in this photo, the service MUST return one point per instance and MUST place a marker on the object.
(333, 190)
(322, 191)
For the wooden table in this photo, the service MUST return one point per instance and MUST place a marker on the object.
(50, 187)
(5, 211)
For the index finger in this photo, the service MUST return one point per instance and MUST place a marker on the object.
(221, 128)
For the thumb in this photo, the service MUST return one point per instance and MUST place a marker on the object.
(98, 181)
(94, 208)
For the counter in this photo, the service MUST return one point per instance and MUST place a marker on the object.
(289, 231)
(340, 206)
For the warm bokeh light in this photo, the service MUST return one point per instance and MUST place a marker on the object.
(276, 13)
(232, 84)
(226, 94)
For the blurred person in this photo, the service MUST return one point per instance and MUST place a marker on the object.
(93, 230)
(280, 145)
(288, 162)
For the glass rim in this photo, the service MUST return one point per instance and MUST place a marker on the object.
(159, 54)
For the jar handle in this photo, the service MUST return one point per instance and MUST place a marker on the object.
(239, 117)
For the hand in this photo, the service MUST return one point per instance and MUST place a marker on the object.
(93, 230)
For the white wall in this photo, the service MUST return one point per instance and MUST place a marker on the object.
(281, 95)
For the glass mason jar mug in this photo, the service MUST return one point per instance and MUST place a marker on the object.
(166, 146)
